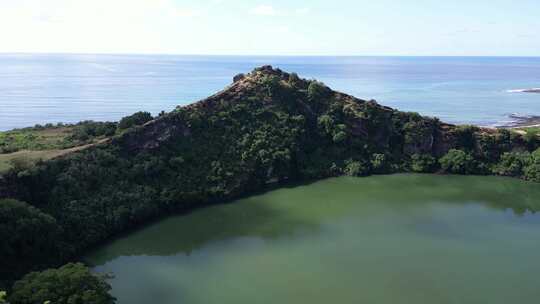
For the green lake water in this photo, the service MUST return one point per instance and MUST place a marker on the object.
(383, 239)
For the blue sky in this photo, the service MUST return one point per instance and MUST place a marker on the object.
(278, 27)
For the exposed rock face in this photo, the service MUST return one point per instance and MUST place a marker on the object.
(238, 77)
(151, 135)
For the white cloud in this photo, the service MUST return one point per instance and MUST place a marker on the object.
(187, 12)
(279, 30)
(137, 26)
(93, 26)
(268, 10)
(264, 10)
(303, 11)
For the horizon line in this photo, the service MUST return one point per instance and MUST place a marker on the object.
(263, 55)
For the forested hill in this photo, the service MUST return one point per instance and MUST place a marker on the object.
(267, 127)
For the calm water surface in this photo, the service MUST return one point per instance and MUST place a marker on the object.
(69, 88)
(384, 239)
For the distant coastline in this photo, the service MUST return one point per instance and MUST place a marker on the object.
(519, 121)
(533, 90)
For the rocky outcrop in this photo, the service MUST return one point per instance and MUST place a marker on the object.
(239, 77)
(152, 134)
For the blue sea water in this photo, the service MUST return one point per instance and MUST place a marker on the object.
(42, 88)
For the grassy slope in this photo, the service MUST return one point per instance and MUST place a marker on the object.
(33, 156)
(531, 129)
(30, 145)
(34, 139)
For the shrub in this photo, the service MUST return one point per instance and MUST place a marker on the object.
(532, 171)
(29, 238)
(355, 168)
(536, 155)
(379, 163)
(325, 123)
(271, 84)
(418, 134)
(293, 78)
(135, 119)
(21, 163)
(458, 162)
(69, 284)
(512, 164)
(465, 136)
(531, 137)
(86, 130)
(327, 126)
(339, 137)
(423, 163)
(317, 90)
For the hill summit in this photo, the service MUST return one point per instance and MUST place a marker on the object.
(271, 90)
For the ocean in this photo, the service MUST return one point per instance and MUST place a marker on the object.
(50, 88)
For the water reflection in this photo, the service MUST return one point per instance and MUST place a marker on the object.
(309, 209)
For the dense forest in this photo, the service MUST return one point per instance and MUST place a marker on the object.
(268, 127)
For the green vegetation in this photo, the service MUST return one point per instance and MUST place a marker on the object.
(136, 119)
(355, 168)
(25, 159)
(423, 163)
(531, 135)
(512, 163)
(40, 143)
(380, 163)
(458, 162)
(531, 130)
(520, 164)
(54, 137)
(36, 138)
(29, 239)
(317, 90)
(532, 170)
(43, 142)
(268, 127)
(69, 284)
(88, 131)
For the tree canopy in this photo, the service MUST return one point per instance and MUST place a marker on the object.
(70, 284)
(30, 238)
(135, 119)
